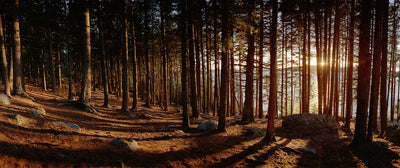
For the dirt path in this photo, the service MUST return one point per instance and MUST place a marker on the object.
(42, 143)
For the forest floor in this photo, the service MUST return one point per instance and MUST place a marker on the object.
(43, 143)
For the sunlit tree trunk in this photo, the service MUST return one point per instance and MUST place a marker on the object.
(269, 137)
(6, 82)
(86, 62)
(18, 72)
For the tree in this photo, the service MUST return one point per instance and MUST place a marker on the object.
(272, 105)
(376, 69)
(6, 81)
(383, 102)
(224, 69)
(86, 62)
(185, 115)
(248, 111)
(18, 73)
(104, 76)
(364, 68)
(146, 55)
(134, 65)
(164, 53)
(192, 69)
(125, 93)
(260, 68)
(349, 95)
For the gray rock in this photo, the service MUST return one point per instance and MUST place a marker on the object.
(4, 100)
(381, 144)
(19, 119)
(255, 132)
(130, 144)
(38, 112)
(208, 125)
(311, 120)
(68, 125)
(308, 149)
(392, 133)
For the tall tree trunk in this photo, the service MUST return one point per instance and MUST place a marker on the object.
(86, 62)
(260, 68)
(18, 71)
(185, 115)
(164, 57)
(376, 71)
(192, 71)
(125, 93)
(224, 62)
(6, 82)
(269, 137)
(319, 59)
(304, 107)
(363, 80)
(216, 62)
(104, 77)
(248, 111)
(52, 66)
(349, 94)
(59, 66)
(147, 60)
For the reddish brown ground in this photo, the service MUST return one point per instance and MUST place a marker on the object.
(41, 143)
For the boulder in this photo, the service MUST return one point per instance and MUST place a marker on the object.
(38, 112)
(307, 149)
(4, 100)
(381, 144)
(19, 119)
(208, 125)
(392, 133)
(68, 125)
(309, 120)
(255, 132)
(130, 144)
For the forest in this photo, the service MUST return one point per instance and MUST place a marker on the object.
(199, 83)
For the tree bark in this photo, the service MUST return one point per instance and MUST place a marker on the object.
(272, 105)
(86, 62)
(349, 94)
(260, 68)
(6, 81)
(363, 80)
(185, 115)
(248, 111)
(103, 60)
(125, 93)
(18, 72)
